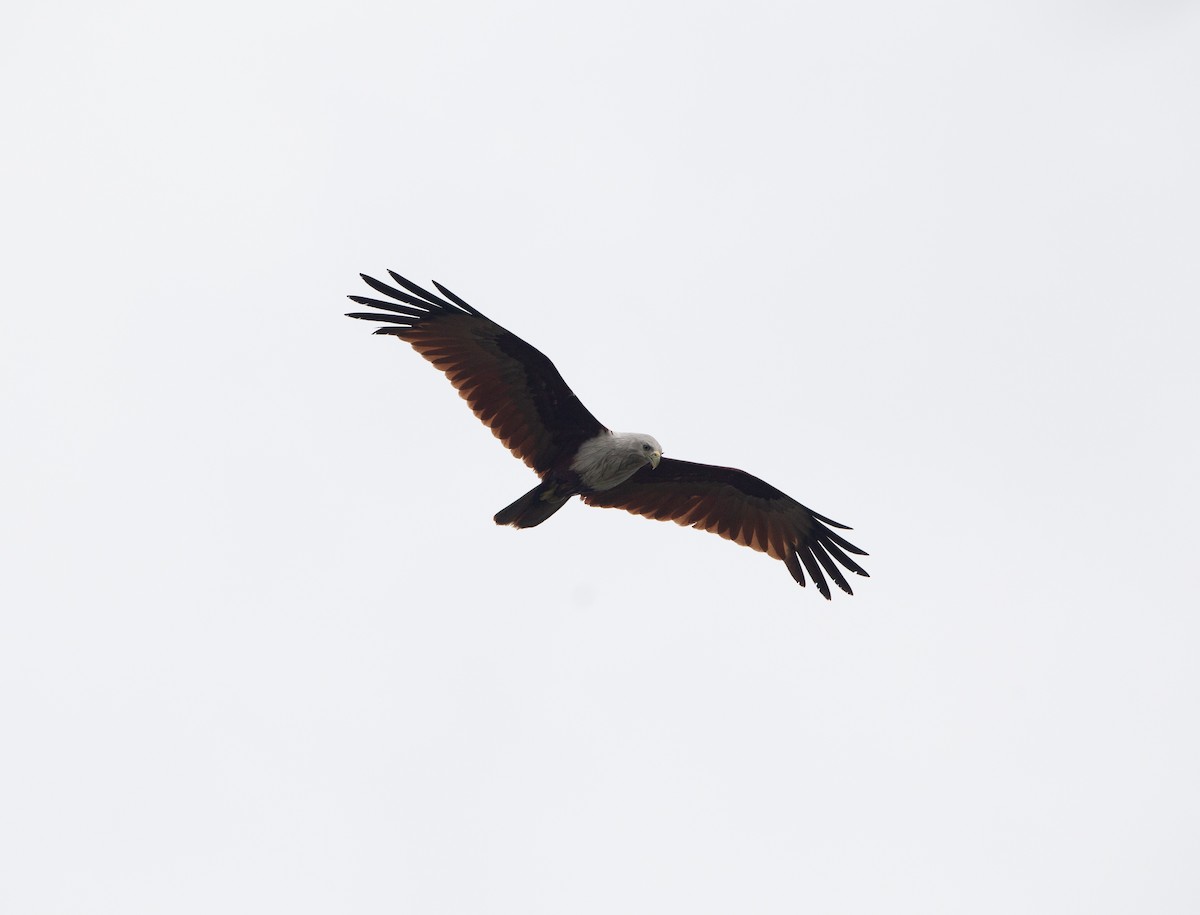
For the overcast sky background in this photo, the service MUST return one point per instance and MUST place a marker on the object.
(931, 268)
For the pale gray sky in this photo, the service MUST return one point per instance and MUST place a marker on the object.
(930, 268)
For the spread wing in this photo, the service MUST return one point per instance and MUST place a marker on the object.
(741, 508)
(512, 387)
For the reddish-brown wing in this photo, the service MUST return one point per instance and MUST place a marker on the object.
(741, 508)
(511, 386)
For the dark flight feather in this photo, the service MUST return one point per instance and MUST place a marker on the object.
(453, 298)
(417, 290)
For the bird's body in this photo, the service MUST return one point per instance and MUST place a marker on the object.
(519, 394)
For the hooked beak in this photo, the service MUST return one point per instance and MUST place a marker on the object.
(655, 457)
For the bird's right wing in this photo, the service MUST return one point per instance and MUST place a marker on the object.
(741, 508)
(511, 386)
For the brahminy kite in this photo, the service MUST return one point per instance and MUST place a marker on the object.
(519, 394)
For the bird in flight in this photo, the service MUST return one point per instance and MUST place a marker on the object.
(519, 394)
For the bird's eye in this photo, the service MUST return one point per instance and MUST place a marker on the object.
(645, 447)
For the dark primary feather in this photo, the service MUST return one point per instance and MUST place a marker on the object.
(741, 508)
(511, 386)
(453, 298)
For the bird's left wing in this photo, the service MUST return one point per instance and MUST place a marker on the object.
(741, 508)
(511, 386)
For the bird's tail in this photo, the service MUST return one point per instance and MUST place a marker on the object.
(534, 507)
